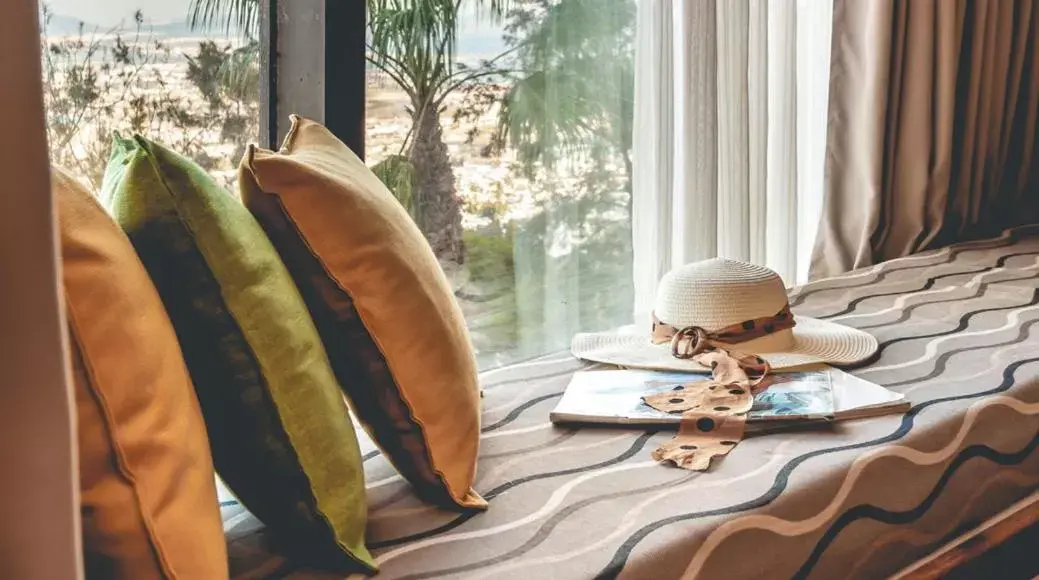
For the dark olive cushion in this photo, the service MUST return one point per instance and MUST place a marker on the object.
(281, 435)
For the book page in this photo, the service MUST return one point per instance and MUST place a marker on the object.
(813, 393)
(616, 397)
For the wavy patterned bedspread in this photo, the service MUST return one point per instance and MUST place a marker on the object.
(958, 336)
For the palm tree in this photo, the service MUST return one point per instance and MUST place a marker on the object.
(413, 43)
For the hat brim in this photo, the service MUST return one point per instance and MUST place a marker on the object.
(815, 341)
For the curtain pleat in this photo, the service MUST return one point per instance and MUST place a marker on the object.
(694, 196)
(861, 47)
(908, 100)
(946, 39)
(733, 190)
(1021, 18)
(757, 125)
(1024, 154)
(812, 56)
(781, 138)
(652, 149)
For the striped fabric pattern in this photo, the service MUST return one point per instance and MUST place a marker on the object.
(958, 334)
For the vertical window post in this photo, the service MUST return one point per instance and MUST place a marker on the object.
(313, 64)
(345, 71)
(268, 74)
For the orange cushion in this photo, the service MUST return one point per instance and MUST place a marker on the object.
(148, 491)
(385, 311)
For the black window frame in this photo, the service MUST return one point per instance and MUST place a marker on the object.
(326, 77)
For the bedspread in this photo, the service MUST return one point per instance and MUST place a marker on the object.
(958, 336)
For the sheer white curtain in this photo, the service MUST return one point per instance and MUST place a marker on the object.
(730, 134)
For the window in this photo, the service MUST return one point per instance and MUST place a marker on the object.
(504, 130)
(140, 66)
(507, 135)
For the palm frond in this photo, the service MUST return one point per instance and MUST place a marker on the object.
(397, 173)
(242, 16)
(420, 37)
(240, 72)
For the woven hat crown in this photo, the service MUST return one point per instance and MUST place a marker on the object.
(716, 293)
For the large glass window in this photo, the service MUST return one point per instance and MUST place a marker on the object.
(507, 135)
(141, 66)
(503, 127)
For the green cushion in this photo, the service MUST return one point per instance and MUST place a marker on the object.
(281, 435)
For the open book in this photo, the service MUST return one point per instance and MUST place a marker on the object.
(812, 394)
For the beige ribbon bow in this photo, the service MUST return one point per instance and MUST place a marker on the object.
(714, 411)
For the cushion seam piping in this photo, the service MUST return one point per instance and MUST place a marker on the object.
(458, 500)
(153, 163)
(123, 468)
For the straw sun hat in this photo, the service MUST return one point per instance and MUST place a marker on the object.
(732, 305)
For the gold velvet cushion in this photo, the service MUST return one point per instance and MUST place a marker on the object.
(395, 335)
(147, 491)
(281, 435)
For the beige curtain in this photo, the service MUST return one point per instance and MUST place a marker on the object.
(932, 127)
(38, 479)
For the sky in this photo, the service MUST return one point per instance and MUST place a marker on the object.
(110, 12)
(476, 34)
(106, 13)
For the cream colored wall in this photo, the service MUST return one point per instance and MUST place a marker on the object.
(39, 537)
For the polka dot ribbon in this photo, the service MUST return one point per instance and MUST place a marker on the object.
(714, 411)
(690, 341)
